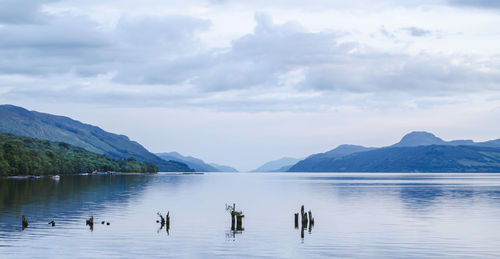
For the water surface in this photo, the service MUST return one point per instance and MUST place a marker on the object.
(356, 215)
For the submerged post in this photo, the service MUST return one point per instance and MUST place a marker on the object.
(90, 223)
(233, 216)
(168, 221)
(25, 222)
(239, 222)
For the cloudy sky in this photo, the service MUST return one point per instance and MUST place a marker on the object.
(243, 82)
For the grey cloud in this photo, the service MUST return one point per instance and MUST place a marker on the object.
(22, 11)
(165, 53)
(476, 3)
(417, 32)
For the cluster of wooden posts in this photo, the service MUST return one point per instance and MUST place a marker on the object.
(307, 220)
(236, 216)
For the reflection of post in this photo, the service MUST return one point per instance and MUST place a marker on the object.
(296, 220)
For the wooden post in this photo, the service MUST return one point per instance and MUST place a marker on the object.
(233, 219)
(168, 220)
(239, 222)
(24, 222)
(296, 220)
(90, 223)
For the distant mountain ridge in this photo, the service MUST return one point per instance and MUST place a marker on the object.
(224, 168)
(195, 163)
(422, 138)
(280, 165)
(21, 122)
(417, 151)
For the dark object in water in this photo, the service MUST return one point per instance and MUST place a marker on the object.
(102, 222)
(168, 221)
(25, 222)
(239, 222)
(90, 222)
(164, 221)
(296, 220)
(53, 223)
(306, 221)
(311, 220)
(235, 215)
(107, 223)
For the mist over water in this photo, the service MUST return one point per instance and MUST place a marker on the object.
(356, 215)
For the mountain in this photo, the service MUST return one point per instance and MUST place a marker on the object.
(417, 151)
(419, 138)
(316, 161)
(29, 156)
(224, 168)
(422, 138)
(21, 122)
(197, 164)
(277, 165)
(431, 158)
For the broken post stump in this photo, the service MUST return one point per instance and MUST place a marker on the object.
(24, 222)
(168, 221)
(239, 222)
(90, 221)
(296, 220)
(162, 219)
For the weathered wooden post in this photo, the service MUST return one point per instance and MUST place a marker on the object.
(239, 222)
(304, 217)
(296, 220)
(162, 219)
(53, 223)
(311, 219)
(168, 221)
(90, 223)
(233, 216)
(25, 222)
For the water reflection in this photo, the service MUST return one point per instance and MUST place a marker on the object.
(448, 215)
(67, 199)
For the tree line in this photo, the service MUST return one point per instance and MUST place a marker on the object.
(29, 156)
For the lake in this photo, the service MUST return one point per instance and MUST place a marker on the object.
(357, 215)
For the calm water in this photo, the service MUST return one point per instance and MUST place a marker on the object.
(357, 216)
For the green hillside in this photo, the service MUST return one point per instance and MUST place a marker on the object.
(21, 122)
(29, 156)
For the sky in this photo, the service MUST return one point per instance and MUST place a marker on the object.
(244, 82)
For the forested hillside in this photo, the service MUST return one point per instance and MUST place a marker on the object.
(29, 156)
